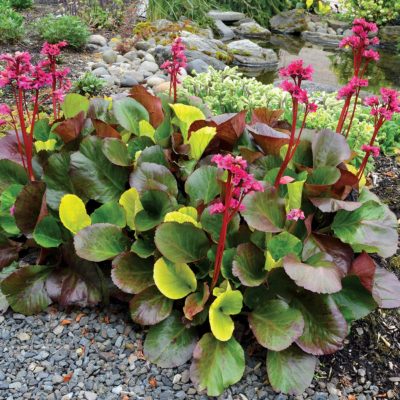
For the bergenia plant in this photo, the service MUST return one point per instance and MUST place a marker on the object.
(174, 67)
(28, 84)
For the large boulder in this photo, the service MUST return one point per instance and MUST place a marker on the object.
(225, 31)
(210, 47)
(249, 54)
(326, 40)
(226, 16)
(252, 30)
(293, 21)
(390, 36)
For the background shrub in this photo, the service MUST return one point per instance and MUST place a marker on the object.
(72, 29)
(11, 24)
(21, 4)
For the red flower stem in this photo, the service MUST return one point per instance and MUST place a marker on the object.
(343, 115)
(291, 143)
(54, 86)
(353, 113)
(21, 153)
(223, 233)
(299, 135)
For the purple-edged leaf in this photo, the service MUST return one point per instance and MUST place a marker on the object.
(100, 242)
(28, 206)
(268, 138)
(150, 307)
(249, 265)
(329, 149)
(265, 211)
(364, 267)
(323, 276)
(131, 273)
(290, 371)
(324, 325)
(330, 205)
(170, 343)
(9, 251)
(9, 148)
(195, 302)
(216, 365)
(276, 325)
(354, 301)
(386, 288)
(11, 173)
(25, 289)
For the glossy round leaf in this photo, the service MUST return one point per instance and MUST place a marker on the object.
(199, 140)
(386, 288)
(131, 273)
(129, 113)
(202, 185)
(150, 307)
(283, 244)
(48, 233)
(249, 265)
(116, 152)
(181, 243)
(170, 343)
(276, 325)
(10, 173)
(111, 213)
(100, 242)
(73, 104)
(290, 371)
(195, 302)
(130, 201)
(216, 365)
(174, 280)
(25, 289)
(73, 213)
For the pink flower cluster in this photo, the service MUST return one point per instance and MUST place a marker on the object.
(297, 71)
(361, 29)
(295, 214)
(351, 88)
(390, 103)
(53, 50)
(240, 180)
(374, 150)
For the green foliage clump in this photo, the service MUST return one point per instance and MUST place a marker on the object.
(69, 28)
(89, 85)
(380, 11)
(11, 24)
(21, 4)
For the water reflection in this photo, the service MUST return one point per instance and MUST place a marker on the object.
(332, 68)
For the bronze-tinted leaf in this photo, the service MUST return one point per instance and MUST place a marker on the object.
(364, 267)
(70, 129)
(269, 139)
(105, 130)
(8, 251)
(195, 302)
(266, 116)
(151, 103)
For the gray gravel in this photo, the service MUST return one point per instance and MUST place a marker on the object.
(102, 355)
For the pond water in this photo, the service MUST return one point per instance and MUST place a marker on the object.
(333, 68)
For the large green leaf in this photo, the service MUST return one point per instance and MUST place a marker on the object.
(28, 206)
(290, 371)
(94, 176)
(249, 265)
(129, 113)
(372, 227)
(226, 304)
(284, 244)
(10, 173)
(199, 140)
(323, 176)
(47, 232)
(329, 149)
(216, 365)
(354, 301)
(131, 273)
(276, 325)
(170, 343)
(25, 289)
(57, 179)
(7, 201)
(112, 213)
(100, 242)
(174, 280)
(150, 307)
(265, 211)
(73, 104)
(130, 201)
(324, 325)
(202, 185)
(150, 176)
(181, 243)
(156, 204)
(116, 152)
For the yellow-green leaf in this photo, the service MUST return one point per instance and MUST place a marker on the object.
(48, 145)
(271, 263)
(131, 202)
(199, 141)
(73, 213)
(174, 280)
(228, 303)
(184, 214)
(295, 192)
(309, 3)
(185, 116)
(146, 129)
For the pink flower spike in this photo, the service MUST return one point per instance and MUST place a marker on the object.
(371, 55)
(285, 180)
(375, 150)
(217, 208)
(295, 214)
(4, 109)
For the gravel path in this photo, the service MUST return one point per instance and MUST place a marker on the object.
(92, 354)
